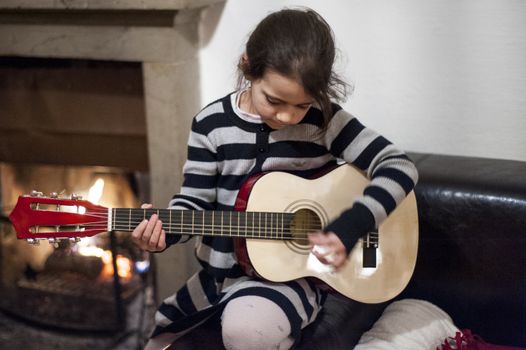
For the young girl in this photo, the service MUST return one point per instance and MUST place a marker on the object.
(283, 119)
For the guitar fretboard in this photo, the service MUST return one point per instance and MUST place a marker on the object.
(264, 225)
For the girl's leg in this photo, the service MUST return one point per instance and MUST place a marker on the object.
(254, 322)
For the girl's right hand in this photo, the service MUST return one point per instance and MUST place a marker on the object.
(149, 234)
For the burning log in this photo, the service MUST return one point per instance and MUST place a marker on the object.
(89, 266)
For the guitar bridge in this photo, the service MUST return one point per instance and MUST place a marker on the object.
(370, 244)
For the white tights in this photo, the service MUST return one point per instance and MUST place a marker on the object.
(254, 323)
(248, 323)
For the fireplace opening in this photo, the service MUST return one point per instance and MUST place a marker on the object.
(71, 285)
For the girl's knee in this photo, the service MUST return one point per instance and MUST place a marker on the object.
(235, 336)
(255, 323)
(248, 337)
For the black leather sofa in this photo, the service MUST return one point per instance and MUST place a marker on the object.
(471, 258)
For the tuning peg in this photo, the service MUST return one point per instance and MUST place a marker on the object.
(36, 194)
(53, 242)
(75, 196)
(53, 195)
(33, 241)
(74, 239)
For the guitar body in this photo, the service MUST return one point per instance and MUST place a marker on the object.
(323, 199)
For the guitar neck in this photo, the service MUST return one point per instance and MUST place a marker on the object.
(261, 225)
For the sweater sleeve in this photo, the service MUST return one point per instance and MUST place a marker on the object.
(391, 173)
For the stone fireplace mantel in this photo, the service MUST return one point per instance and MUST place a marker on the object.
(160, 34)
(106, 4)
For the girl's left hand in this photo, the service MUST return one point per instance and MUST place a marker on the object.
(333, 253)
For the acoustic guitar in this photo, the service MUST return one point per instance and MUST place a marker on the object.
(273, 214)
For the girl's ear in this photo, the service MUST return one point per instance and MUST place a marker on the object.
(244, 66)
(244, 60)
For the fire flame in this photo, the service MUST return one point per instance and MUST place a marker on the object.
(86, 247)
(94, 194)
(124, 265)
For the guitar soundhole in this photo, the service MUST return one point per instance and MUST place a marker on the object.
(305, 221)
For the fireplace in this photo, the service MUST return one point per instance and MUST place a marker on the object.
(160, 37)
(89, 91)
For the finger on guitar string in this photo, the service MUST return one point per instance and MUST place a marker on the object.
(150, 225)
(155, 242)
(138, 231)
(149, 234)
(153, 224)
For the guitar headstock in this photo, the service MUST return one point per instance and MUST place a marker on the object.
(37, 217)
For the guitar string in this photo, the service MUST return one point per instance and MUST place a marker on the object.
(176, 228)
(208, 214)
(102, 214)
(274, 230)
(296, 235)
(140, 213)
(178, 223)
(136, 219)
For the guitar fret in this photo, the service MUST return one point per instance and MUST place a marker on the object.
(265, 230)
(271, 225)
(203, 224)
(276, 227)
(182, 221)
(278, 231)
(273, 228)
(212, 227)
(282, 231)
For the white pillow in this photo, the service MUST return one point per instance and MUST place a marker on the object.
(408, 324)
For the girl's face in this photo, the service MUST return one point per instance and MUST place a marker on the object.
(277, 99)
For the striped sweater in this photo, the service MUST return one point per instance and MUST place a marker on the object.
(225, 148)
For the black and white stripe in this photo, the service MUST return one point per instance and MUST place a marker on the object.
(224, 150)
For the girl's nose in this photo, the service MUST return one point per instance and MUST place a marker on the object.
(285, 117)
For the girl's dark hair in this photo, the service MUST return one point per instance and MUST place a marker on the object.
(299, 44)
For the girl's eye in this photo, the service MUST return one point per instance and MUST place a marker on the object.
(272, 102)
